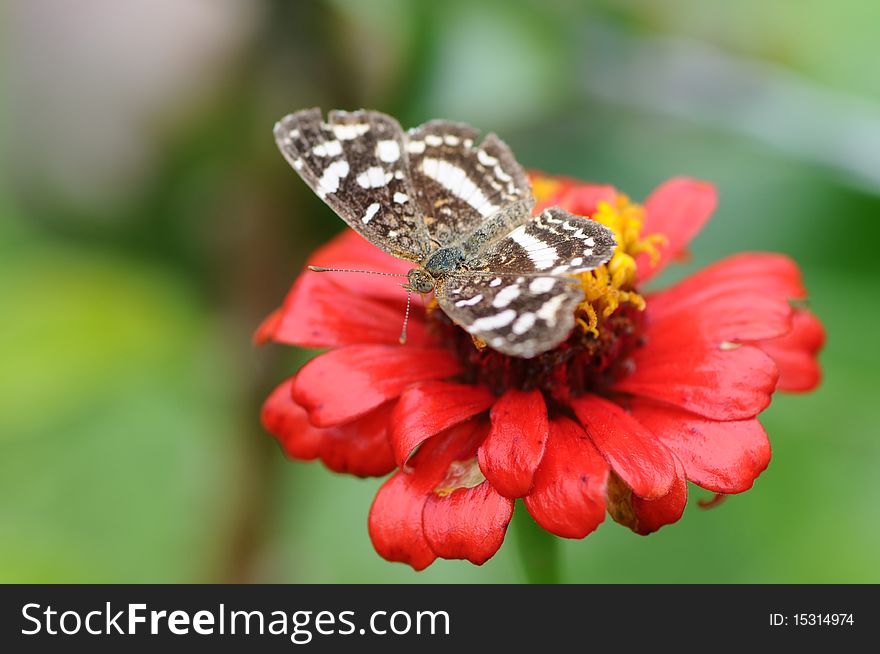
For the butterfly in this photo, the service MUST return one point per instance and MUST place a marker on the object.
(461, 211)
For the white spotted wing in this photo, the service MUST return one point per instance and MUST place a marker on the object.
(356, 162)
(516, 296)
(459, 182)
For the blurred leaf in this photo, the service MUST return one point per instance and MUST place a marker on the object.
(115, 431)
(496, 64)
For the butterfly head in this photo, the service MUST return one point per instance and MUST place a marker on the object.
(419, 280)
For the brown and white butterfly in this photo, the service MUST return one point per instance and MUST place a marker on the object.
(461, 212)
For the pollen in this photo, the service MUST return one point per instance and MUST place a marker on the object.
(479, 343)
(609, 286)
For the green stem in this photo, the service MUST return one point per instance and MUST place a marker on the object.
(538, 549)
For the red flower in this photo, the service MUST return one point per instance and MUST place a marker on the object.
(649, 392)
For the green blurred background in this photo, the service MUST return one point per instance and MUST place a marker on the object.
(147, 224)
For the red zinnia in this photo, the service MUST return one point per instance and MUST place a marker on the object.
(650, 391)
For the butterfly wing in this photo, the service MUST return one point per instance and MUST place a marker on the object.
(459, 184)
(520, 316)
(516, 296)
(356, 162)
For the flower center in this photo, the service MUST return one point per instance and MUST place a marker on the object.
(609, 320)
(582, 363)
(609, 286)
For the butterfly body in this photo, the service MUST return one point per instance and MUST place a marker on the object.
(461, 212)
(445, 260)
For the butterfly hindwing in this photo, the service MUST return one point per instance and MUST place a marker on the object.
(459, 182)
(553, 242)
(517, 295)
(356, 162)
(520, 316)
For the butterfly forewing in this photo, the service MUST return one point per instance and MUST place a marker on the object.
(356, 162)
(553, 242)
(516, 296)
(459, 182)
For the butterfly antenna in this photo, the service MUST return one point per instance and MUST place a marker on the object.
(402, 338)
(352, 270)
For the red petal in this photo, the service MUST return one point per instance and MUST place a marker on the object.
(266, 331)
(572, 195)
(318, 313)
(650, 515)
(772, 275)
(340, 385)
(350, 250)
(741, 298)
(795, 353)
(732, 317)
(724, 457)
(395, 521)
(360, 447)
(469, 523)
(513, 449)
(584, 199)
(724, 384)
(677, 209)
(568, 494)
(289, 423)
(745, 297)
(426, 409)
(636, 456)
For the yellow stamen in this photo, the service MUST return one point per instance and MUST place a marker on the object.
(609, 286)
(625, 219)
(589, 325)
